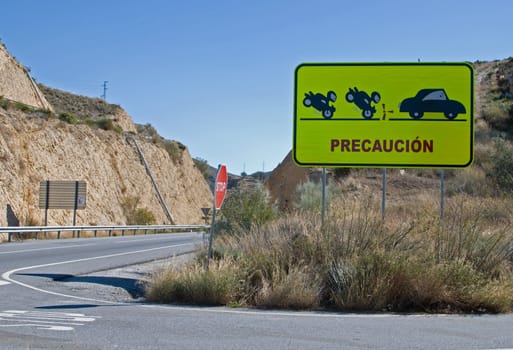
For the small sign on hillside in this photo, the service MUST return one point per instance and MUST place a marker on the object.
(62, 195)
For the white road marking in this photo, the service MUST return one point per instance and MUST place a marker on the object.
(39, 249)
(55, 321)
(294, 314)
(312, 314)
(129, 239)
(219, 310)
(7, 275)
(4, 283)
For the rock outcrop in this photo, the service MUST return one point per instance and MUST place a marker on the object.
(86, 139)
(16, 83)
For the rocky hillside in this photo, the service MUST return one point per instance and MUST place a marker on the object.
(16, 84)
(79, 138)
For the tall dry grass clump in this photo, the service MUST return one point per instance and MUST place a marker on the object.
(195, 284)
(354, 261)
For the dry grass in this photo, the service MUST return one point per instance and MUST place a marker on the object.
(195, 285)
(412, 262)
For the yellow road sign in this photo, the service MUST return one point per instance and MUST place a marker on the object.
(384, 115)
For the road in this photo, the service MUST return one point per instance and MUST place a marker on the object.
(41, 309)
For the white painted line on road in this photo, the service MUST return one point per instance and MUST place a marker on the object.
(7, 275)
(154, 237)
(55, 321)
(306, 314)
(40, 249)
(4, 283)
(218, 310)
(312, 314)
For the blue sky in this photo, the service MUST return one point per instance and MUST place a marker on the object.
(218, 76)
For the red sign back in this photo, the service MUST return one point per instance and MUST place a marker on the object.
(221, 185)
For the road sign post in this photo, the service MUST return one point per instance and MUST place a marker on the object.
(205, 212)
(220, 187)
(384, 115)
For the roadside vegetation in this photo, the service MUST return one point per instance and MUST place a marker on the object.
(355, 261)
(175, 149)
(136, 215)
(202, 166)
(413, 261)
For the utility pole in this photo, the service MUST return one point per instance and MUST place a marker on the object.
(104, 96)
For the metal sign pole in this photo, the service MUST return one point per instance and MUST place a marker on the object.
(47, 201)
(219, 193)
(384, 194)
(212, 226)
(76, 204)
(323, 212)
(442, 192)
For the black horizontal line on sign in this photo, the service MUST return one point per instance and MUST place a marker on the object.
(340, 119)
(427, 120)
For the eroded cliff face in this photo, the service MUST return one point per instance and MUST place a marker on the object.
(49, 134)
(37, 146)
(16, 84)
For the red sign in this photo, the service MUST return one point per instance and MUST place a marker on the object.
(221, 185)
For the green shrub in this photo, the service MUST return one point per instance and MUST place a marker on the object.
(4, 103)
(23, 107)
(143, 216)
(103, 123)
(147, 130)
(135, 215)
(308, 195)
(246, 207)
(502, 158)
(499, 115)
(202, 166)
(107, 124)
(68, 118)
(174, 149)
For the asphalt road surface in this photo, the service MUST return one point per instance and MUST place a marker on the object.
(61, 295)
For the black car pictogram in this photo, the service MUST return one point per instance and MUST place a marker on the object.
(321, 103)
(431, 100)
(363, 101)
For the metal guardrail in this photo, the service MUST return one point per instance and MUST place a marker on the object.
(78, 230)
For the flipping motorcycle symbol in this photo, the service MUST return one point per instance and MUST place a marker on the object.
(321, 103)
(426, 100)
(363, 101)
